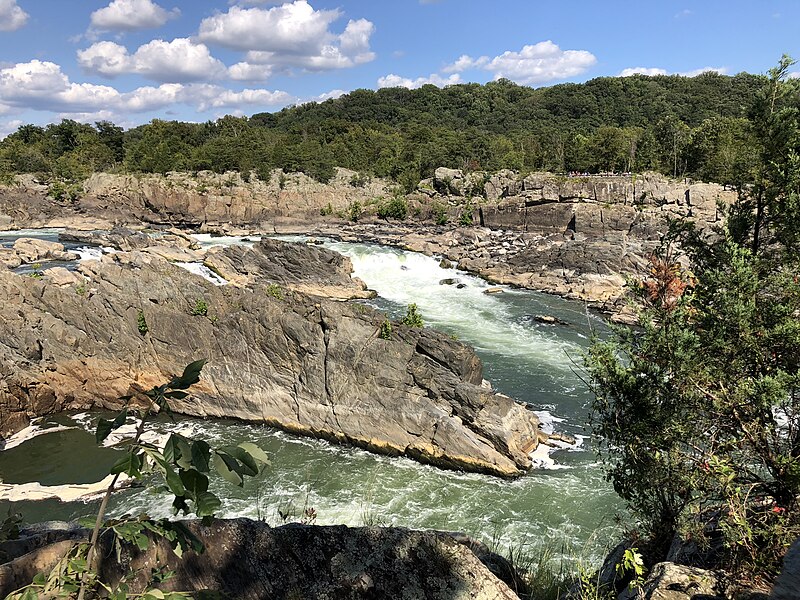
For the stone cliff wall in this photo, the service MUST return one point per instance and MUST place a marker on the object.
(578, 237)
(538, 203)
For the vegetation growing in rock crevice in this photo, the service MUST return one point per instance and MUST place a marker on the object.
(699, 408)
(413, 318)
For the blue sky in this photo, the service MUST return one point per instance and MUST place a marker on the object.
(134, 60)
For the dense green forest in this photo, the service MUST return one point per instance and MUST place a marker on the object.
(677, 125)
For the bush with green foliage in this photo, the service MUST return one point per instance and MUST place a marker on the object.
(396, 208)
(413, 318)
(465, 218)
(141, 322)
(698, 409)
(354, 211)
(440, 214)
(200, 308)
(385, 331)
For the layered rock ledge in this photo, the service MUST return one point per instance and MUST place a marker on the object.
(577, 237)
(276, 355)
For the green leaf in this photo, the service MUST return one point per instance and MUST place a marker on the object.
(201, 454)
(130, 464)
(190, 376)
(178, 451)
(248, 464)
(256, 452)
(105, 427)
(207, 504)
(29, 594)
(194, 482)
(174, 481)
(227, 467)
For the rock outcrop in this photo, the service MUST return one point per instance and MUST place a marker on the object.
(246, 559)
(299, 362)
(320, 273)
(578, 237)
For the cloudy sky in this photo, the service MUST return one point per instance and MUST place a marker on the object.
(134, 60)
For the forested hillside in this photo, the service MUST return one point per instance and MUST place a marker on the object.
(672, 124)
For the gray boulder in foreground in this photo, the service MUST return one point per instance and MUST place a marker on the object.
(247, 560)
(298, 362)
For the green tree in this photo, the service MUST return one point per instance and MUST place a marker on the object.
(699, 407)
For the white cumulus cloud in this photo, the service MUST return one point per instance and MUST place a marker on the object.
(642, 71)
(533, 64)
(9, 127)
(212, 96)
(131, 15)
(332, 95)
(176, 61)
(293, 35)
(651, 71)
(393, 80)
(244, 71)
(12, 17)
(42, 86)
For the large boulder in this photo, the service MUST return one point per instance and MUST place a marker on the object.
(247, 559)
(298, 267)
(448, 181)
(287, 359)
(669, 581)
(31, 250)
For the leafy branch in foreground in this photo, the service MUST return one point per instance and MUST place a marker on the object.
(183, 465)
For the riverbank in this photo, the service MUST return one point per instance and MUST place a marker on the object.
(577, 237)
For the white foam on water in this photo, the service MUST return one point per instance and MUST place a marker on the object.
(207, 240)
(482, 319)
(31, 431)
(203, 271)
(93, 252)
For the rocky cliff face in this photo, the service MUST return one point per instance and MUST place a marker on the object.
(575, 236)
(276, 355)
(206, 200)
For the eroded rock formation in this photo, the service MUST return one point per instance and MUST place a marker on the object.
(296, 361)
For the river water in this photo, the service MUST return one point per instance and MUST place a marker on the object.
(564, 504)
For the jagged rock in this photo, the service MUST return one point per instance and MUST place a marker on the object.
(290, 360)
(9, 258)
(247, 559)
(503, 184)
(445, 264)
(549, 320)
(668, 581)
(30, 250)
(448, 181)
(297, 267)
(787, 586)
(448, 281)
(62, 277)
